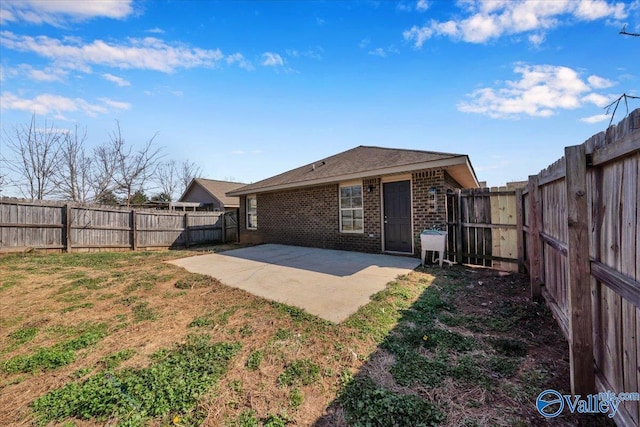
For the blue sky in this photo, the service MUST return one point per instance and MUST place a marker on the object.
(249, 89)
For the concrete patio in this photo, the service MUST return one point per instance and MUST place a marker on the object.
(328, 283)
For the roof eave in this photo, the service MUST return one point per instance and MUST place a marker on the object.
(442, 163)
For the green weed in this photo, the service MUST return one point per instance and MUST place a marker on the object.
(246, 330)
(299, 372)
(172, 384)
(411, 368)
(283, 335)
(273, 420)
(247, 418)
(115, 359)
(81, 373)
(295, 313)
(296, 398)
(254, 360)
(49, 358)
(505, 367)
(23, 336)
(44, 359)
(142, 312)
(366, 404)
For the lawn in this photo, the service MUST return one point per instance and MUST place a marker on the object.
(127, 339)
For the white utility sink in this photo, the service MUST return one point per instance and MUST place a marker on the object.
(433, 240)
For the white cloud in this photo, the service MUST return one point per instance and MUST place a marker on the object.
(118, 105)
(48, 74)
(148, 53)
(485, 20)
(540, 92)
(418, 35)
(404, 7)
(117, 80)
(364, 43)
(238, 58)
(537, 39)
(54, 104)
(270, 59)
(378, 52)
(591, 10)
(599, 83)
(311, 53)
(57, 12)
(596, 119)
(422, 5)
(155, 30)
(597, 99)
(382, 52)
(417, 5)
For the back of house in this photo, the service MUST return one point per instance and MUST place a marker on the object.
(368, 199)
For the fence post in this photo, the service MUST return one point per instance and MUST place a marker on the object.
(187, 243)
(224, 227)
(520, 230)
(67, 228)
(579, 284)
(134, 231)
(459, 227)
(535, 253)
(237, 225)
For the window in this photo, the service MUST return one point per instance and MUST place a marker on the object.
(252, 212)
(351, 213)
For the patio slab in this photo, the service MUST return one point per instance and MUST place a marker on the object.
(328, 283)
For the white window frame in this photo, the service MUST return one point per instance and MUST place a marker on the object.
(250, 211)
(342, 209)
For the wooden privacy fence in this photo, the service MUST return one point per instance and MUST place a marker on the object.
(482, 227)
(582, 228)
(70, 227)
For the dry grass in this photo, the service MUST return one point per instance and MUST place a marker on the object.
(36, 291)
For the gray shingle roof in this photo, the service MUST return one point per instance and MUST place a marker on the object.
(219, 190)
(357, 161)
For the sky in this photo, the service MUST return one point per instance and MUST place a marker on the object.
(250, 89)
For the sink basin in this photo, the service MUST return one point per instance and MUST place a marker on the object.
(433, 240)
(433, 233)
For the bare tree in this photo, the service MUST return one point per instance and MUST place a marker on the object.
(3, 170)
(133, 168)
(167, 178)
(37, 151)
(188, 171)
(73, 177)
(103, 171)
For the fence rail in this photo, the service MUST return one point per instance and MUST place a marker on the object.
(70, 227)
(581, 225)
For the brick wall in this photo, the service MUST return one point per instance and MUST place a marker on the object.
(310, 216)
(424, 214)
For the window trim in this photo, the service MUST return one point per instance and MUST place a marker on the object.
(340, 208)
(248, 212)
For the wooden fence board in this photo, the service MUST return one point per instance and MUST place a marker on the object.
(628, 250)
(612, 224)
(50, 225)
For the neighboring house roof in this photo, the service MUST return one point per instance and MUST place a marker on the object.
(217, 189)
(365, 161)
